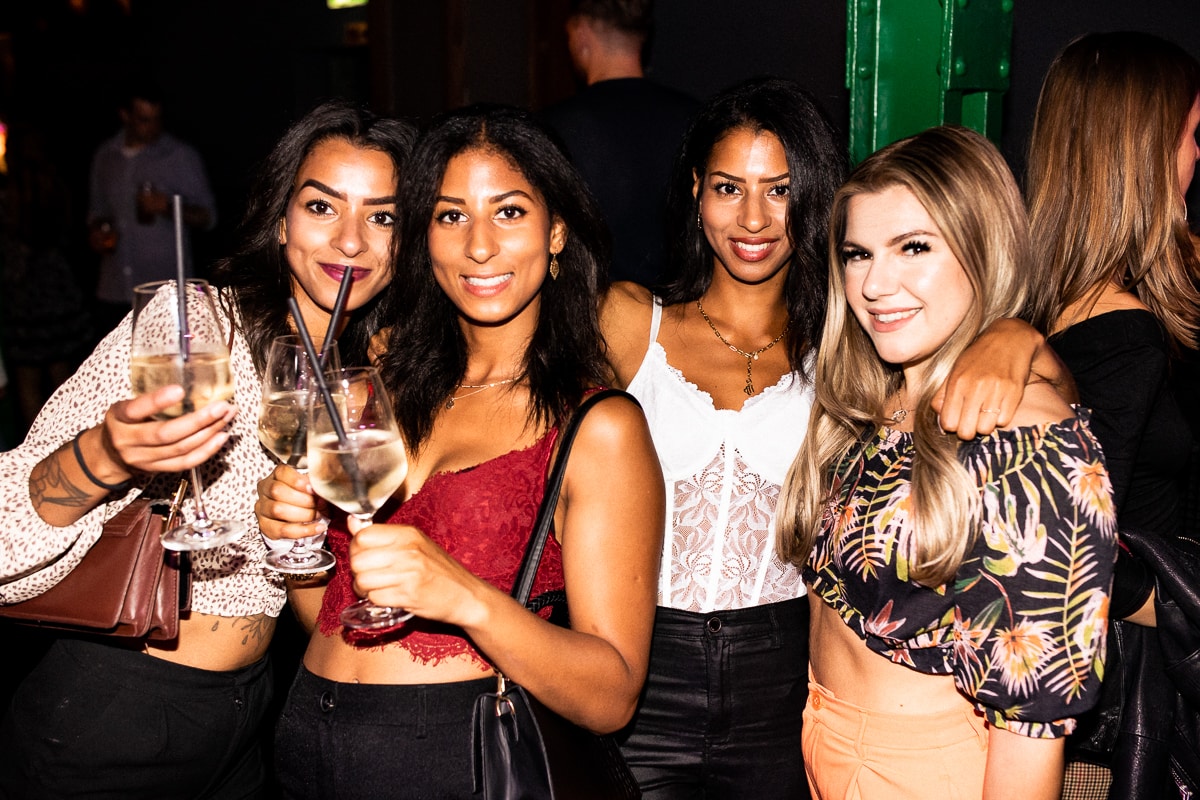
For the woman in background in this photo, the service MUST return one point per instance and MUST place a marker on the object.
(1112, 154)
(958, 589)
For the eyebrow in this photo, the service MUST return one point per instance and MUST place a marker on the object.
(499, 198)
(739, 179)
(918, 232)
(370, 201)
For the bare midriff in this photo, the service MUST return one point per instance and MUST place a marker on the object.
(333, 659)
(843, 664)
(208, 641)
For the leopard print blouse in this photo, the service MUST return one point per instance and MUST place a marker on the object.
(228, 581)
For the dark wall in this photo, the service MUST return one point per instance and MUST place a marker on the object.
(237, 71)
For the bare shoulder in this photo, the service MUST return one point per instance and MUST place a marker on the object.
(1040, 404)
(612, 422)
(625, 313)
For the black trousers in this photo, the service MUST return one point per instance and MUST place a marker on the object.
(720, 716)
(103, 721)
(354, 741)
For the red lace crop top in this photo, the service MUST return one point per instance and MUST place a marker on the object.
(483, 516)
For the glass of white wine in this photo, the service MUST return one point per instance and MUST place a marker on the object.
(178, 339)
(288, 383)
(356, 461)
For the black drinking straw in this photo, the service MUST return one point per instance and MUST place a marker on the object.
(180, 279)
(339, 310)
(335, 319)
(347, 457)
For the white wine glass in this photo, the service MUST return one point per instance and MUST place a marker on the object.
(356, 461)
(288, 383)
(178, 339)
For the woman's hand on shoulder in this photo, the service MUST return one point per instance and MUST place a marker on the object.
(985, 386)
(286, 507)
(625, 312)
(1039, 405)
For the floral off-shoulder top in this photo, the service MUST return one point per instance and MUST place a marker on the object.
(1022, 626)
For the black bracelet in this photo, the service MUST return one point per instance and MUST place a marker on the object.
(112, 487)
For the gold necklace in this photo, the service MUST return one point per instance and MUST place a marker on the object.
(478, 387)
(750, 357)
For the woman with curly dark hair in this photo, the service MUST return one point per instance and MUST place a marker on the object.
(494, 342)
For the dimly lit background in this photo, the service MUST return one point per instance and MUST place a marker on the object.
(237, 71)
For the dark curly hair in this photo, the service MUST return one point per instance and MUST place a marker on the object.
(257, 271)
(428, 357)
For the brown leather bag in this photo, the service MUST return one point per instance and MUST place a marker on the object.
(127, 585)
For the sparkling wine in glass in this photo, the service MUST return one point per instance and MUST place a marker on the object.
(178, 339)
(288, 384)
(357, 463)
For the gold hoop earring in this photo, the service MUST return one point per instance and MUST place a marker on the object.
(554, 266)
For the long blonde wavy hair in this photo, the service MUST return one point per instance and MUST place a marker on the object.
(1102, 185)
(968, 190)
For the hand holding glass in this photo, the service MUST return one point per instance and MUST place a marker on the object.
(359, 467)
(288, 383)
(179, 340)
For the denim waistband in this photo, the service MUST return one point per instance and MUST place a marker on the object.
(762, 620)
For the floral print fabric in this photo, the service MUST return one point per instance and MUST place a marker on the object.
(1022, 626)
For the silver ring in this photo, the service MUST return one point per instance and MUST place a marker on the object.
(995, 411)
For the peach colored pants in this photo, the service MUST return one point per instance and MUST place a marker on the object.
(852, 753)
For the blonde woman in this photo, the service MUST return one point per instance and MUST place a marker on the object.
(1119, 299)
(958, 589)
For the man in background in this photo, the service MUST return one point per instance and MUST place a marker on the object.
(623, 129)
(130, 222)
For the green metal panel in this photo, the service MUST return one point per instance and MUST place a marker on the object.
(912, 64)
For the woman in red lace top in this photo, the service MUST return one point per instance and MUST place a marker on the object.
(495, 341)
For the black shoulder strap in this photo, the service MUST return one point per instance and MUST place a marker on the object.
(523, 585)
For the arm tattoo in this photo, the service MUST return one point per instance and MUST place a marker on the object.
(49, 484)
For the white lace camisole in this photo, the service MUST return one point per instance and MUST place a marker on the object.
(723, 469)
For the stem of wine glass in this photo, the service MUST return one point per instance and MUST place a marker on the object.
(202, 520)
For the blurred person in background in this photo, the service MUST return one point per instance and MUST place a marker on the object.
(622, 129)
(130, 223)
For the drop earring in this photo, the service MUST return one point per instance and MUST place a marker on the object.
(554, 266)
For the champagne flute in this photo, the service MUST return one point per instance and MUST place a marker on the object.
(288, 384)
(356, 461)
(178, 339)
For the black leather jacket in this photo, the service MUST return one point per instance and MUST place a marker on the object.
(1146, 727)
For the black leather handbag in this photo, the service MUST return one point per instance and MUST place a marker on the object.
(523, 750)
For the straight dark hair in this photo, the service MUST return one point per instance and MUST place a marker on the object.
(257, 271)
(427, 354)
(816, 167)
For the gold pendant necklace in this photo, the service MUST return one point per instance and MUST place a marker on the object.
(750, 357)
(478, 387)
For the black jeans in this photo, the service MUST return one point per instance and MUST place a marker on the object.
(102, 721)
(358, 741)
(721, 712)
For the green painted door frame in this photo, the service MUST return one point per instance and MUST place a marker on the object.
(912, 64)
